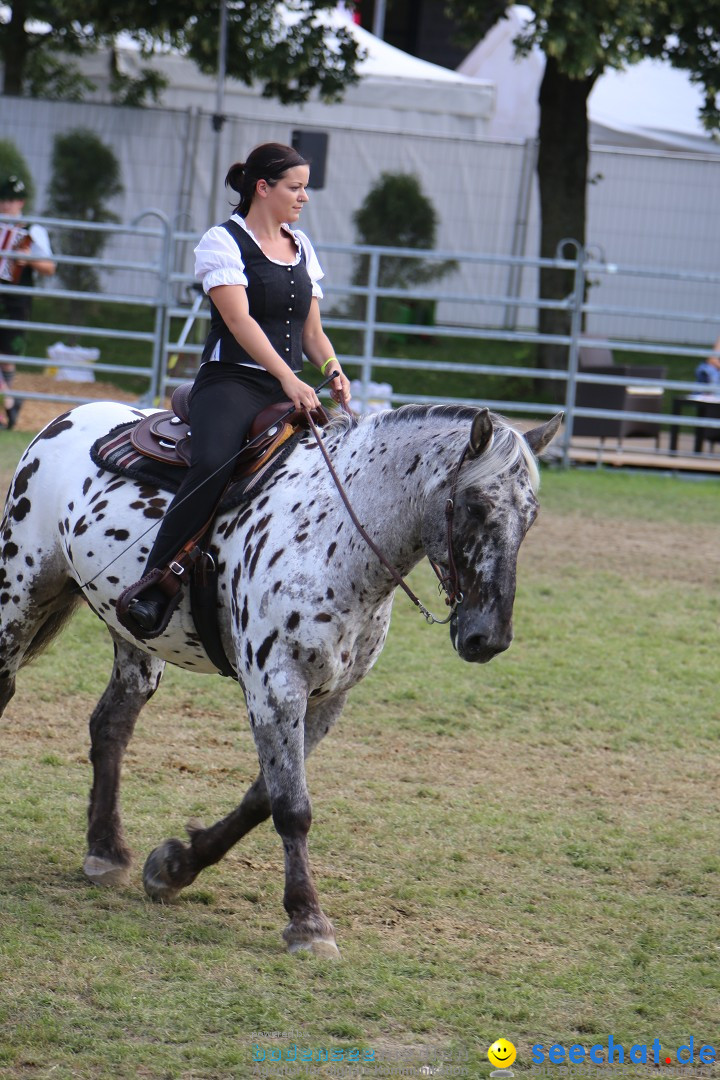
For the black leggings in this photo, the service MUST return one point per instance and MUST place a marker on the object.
(225, 400)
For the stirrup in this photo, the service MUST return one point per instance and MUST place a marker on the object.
(134, 592)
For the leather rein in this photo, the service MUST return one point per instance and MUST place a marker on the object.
(449, 583)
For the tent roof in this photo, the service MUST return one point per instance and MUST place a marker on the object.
(396, 91)
(385, 60)
(649, 104)
(382, 59)
(654, 100)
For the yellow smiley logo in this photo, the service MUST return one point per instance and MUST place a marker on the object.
(501, 1054)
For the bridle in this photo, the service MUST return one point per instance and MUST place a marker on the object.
(448, 583)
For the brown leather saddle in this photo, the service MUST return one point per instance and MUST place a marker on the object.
(166, 436)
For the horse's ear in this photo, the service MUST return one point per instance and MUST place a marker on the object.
(480, 433)
(540, 437)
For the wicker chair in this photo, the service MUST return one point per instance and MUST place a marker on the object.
(636, 395)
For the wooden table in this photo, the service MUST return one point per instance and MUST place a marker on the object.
(705, 406)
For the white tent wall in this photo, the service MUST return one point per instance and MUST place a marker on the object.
(656, 209)
(647, 208)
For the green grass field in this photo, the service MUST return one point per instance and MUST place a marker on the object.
(527, 850)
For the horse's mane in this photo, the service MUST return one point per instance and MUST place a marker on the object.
(508, 446)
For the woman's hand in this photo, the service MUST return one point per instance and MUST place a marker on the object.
(340, 387)
(297, 391)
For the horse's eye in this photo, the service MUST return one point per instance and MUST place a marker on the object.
(477, 510)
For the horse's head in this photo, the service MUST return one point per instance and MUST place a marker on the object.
(494, 506)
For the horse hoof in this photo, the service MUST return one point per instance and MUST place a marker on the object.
(323, 947)
(155, 877)
(101, 871)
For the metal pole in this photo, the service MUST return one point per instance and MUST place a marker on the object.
(577, 300)
(379, 18)
(522, 214)
(153, 396)
(219, 118)
(369, 335)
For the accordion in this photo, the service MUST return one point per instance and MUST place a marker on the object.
(14, 239)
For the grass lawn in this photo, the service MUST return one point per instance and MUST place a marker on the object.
(527, 850)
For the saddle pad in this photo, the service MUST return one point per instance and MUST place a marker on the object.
(116, 453)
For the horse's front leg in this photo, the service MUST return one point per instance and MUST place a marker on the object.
(174, 865)
(135, 678)
(279, 737)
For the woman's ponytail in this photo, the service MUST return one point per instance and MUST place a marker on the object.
(237, 179)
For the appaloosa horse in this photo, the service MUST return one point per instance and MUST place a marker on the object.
(303, 603)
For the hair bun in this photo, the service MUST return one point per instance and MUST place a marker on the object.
(235, 176)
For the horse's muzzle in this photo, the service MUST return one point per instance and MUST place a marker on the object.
(477, 641)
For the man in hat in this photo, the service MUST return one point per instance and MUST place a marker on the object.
(33, 243)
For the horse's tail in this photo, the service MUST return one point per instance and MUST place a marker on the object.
(51, 627)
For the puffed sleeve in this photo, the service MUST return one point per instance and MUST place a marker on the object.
(41, 248)
(312, 263)
(218, 260)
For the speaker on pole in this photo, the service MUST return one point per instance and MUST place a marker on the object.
(312, 145)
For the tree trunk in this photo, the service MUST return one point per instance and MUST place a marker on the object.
(15, 48)
(562, 177)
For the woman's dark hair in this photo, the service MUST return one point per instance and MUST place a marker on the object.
(267, 162)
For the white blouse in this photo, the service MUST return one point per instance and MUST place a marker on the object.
(219, 261)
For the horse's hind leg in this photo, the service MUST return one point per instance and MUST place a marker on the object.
(174, 865)
(29, 620)
(135, 678)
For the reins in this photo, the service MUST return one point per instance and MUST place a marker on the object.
(449, 584)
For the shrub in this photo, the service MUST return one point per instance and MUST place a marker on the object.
(12, 163)
(397, 213)
(85, 174)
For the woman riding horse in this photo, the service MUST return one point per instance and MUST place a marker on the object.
(263, 282)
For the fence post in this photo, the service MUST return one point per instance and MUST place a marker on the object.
(157, 377)
(577, 300)
(369, 332)
(520, 227)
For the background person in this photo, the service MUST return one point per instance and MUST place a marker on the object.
(18, 272)
(262, 279)
(709, 370)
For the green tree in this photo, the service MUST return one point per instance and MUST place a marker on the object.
(581, 39)
(283, 47)
(12, 163)
(397, 213)
(85, 174)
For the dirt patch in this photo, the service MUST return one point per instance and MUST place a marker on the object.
(34, 415)
(678, 552)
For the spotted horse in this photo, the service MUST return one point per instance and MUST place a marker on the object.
(303, 603)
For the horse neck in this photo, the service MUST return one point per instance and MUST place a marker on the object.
(388, 470)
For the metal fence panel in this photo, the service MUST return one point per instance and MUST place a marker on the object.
(652, 208)
(152, 233)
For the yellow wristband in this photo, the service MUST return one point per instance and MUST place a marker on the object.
(330, 360)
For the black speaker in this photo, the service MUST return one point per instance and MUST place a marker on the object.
(312, 145)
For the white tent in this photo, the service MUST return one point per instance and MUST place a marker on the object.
(396, 92)
(651, 104)
(517, 80)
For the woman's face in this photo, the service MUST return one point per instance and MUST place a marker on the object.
(287, 197)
